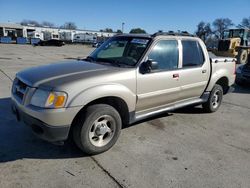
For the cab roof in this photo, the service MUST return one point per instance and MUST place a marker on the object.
(160, 33)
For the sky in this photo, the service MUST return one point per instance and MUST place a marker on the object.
(150, 15)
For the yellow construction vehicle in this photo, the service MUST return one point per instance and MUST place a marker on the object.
(235, 43)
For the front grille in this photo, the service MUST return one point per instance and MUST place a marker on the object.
(19, 89)
(224, 45)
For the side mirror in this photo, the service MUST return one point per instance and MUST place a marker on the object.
(148, 66)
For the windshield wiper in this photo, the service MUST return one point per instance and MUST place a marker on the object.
(89, 59)
(109, 61)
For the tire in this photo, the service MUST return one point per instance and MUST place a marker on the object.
(242, 57)
(97, 129)
(214, 100)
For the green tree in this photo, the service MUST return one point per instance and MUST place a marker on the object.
(119, 31)
(108, 30)
(138, 30)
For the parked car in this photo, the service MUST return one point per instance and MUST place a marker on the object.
(127, 79)
(97, 45)
(243, 74)
(51, 42)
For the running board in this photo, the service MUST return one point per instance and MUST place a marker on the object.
(168, 109)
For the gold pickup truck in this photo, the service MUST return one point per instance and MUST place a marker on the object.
(127, 79)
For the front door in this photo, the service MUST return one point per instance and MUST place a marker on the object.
(159, 87)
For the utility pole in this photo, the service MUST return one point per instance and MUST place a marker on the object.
(123, 27)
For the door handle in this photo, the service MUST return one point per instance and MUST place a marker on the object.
(204, 71)
(176, 75)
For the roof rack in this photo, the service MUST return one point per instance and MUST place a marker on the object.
(182, 33)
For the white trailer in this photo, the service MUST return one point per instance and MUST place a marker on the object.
(50, 35)
(84, 38)
(35, 34)
(66, 36)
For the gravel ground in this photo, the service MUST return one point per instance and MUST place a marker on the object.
(185, 148)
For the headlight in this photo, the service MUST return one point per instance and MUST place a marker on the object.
(48, 99)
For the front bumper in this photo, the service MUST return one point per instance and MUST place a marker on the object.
(46, 123)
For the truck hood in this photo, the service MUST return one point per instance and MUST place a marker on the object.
(45, 76)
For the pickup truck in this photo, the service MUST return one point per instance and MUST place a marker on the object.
(127, 79)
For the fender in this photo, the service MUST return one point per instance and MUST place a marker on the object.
(216, 76)
(106, 90)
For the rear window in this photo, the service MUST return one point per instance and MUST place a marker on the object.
(192, 54)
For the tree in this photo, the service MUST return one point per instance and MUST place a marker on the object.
(137, 30)
(119, 31)
(108, 30)
(220, 25)
(203, 30)
(30, 22)
(69, 25)
(48, 24)
(245, 23)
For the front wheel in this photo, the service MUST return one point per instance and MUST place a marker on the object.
(242, 57)
(97, 129)
(214, 100)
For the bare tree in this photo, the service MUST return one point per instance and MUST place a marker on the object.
(30, 22)
(220, 25)
(69, 25)
(203, 30)
(245, 23)
(48, 24)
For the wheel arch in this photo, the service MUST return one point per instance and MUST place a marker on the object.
(224, 83)
(220, 78)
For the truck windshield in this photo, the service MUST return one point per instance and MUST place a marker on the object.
(120, 51)
(235, 33)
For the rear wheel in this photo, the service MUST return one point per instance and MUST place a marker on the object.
(242, 56)
(97, 129)
(214, 100)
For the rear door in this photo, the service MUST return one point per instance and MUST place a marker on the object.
(195, 69)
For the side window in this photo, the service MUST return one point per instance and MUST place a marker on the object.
(166, 53)
(248, 39)
(192, 54)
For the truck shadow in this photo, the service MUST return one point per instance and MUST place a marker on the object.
(190, 110)
(18, 142)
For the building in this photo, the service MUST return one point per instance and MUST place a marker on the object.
(11, 30)
(14, 30)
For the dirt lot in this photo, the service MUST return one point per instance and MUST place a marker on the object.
(186, 148)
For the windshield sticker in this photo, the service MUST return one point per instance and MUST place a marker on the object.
(139, 41)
